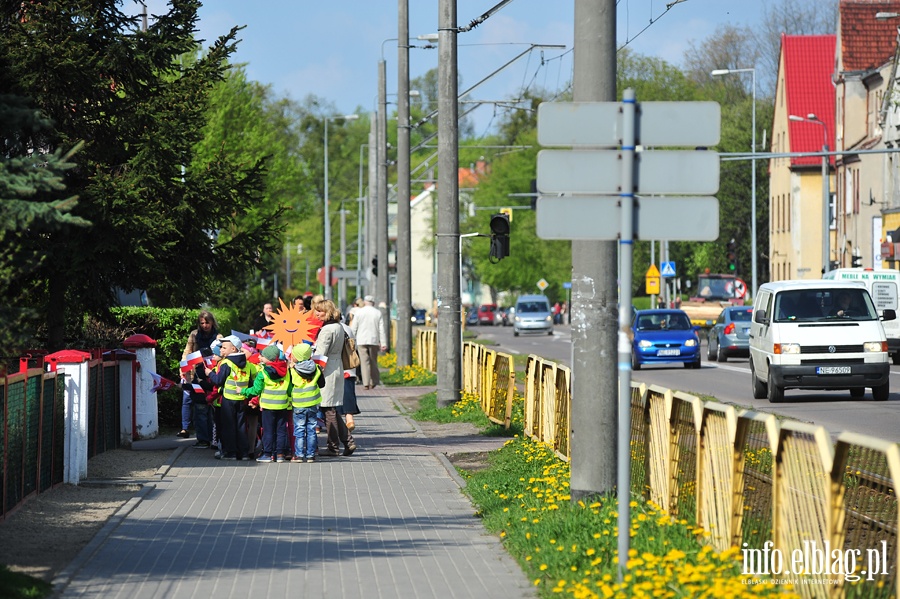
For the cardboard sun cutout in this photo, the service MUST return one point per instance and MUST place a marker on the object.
(292, 326)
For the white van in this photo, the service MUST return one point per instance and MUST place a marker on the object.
(818, 335)
(884, 287)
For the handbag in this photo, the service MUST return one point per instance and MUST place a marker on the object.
(349, 356)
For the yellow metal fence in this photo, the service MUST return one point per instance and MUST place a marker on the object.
(781, 491)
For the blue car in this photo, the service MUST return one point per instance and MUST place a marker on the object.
(664, 336)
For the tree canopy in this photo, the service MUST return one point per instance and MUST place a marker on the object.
(155, 212)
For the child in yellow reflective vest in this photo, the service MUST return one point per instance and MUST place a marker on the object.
(306, 380)
(273, 387)
(232, 375)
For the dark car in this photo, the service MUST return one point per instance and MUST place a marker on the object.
(664, 336)
(472, 318)
(419, 316)
(730, 335)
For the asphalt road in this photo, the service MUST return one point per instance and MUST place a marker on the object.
(730, 383)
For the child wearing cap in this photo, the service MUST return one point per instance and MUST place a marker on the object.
(232, 376)
(272, 385)
(306, 380)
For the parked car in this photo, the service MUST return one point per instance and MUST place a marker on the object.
(501, 317)
(533, 315)
(664, 336)
(730, 334)
(419, 316)
(486, 314)
(472, 317)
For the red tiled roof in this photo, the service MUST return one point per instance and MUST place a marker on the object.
(808, 66)
(866, 42)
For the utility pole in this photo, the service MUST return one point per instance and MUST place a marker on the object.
(383, 280)
(595, 315)
(404, 244)
(449, 374)
(342, 282)
(372, 205)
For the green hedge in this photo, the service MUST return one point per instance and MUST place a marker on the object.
(170, 328)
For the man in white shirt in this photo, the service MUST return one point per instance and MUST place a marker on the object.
(368, 327)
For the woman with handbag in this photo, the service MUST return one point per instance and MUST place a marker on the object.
(349, 409)
(330, 343)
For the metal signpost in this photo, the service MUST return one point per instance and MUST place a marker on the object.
(600, 181)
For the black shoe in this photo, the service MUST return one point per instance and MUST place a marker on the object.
(201, 444)
(328, 453)
(183, 434)
(350, 448)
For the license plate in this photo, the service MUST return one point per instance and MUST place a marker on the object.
(832, 370)
(669, 352)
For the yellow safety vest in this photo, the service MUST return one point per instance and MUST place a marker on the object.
(237, 381)
(274, 395)
(305, 394)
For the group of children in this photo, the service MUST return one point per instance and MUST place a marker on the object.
(279, 389)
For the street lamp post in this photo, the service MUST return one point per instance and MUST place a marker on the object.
(327, 266)
(752, 71)
(826, 192)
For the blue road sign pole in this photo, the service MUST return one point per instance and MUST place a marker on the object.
(626, 254)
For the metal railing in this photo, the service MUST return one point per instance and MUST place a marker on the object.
(32, 408)
(749, 480)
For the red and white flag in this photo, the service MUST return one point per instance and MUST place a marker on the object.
(197, 388)
(350, 374)
(320, 359)
(191, 360)
(160, 383)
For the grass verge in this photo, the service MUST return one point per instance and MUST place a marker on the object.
(569, 548)
(15, 585)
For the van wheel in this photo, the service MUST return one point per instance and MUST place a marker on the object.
(895, 358)
(881, 392)
(775, 393)
(857, 392)
(759, 389)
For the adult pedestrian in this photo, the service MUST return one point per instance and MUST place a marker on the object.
(368, 326)
(330, 343)
(350, 407)
(194, 403)
(264, 319)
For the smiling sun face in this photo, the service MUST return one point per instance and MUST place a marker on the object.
(292, 326)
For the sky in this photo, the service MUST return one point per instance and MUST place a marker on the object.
(332, 49)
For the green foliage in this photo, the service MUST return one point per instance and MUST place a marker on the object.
(156, 212)
(16, 585)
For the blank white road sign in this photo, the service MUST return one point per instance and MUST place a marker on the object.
(684, 124)
(598, 218)
(600, 172)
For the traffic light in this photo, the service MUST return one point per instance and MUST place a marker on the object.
(375, 266)
(732, 257)
(499, 237)
(856, 261)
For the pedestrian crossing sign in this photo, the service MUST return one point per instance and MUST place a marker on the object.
(668, 269)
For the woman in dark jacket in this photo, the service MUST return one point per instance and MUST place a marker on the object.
(200, 338)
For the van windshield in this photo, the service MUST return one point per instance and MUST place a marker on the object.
(532, 307)
(812, 305)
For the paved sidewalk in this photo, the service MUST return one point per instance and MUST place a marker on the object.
(389, 521)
